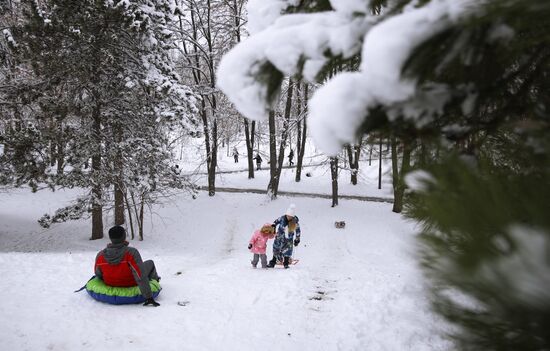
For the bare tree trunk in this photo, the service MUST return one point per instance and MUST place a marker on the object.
(302, 151)
(298, 124)
(213, 160)
(210, 132)
(249, 135)
(141, 206)
(353, 158)
(97, 208)
(298, 120)
(274, 183)
(334, 178)
(119, 182)
(139, 213)
(129, 210)
(380, 165)
(272, 151)
(119, 204)
(209, 152)
(52, 128)
(213, 104)
(370, 154)
(395, 169)
(399, 180)
(60, 140)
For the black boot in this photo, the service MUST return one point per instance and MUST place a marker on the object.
(285, 262)
(272, 263)
(151, 302)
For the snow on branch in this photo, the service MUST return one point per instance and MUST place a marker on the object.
(301, 44)
(262, 13)
(294, 44)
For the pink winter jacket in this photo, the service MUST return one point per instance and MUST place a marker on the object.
(259, 242)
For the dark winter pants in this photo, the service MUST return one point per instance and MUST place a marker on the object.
(148, 272)
(257, 257)
(282, 247)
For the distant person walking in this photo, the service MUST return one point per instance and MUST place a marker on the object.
(290, 157)
(235, 154)
(259, 160)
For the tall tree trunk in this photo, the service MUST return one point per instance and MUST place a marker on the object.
(334, 178)
(249, 135)
(60, 140)
(399, 188)
(97, 208)
(130, 219)
(119, 203)
(119, 178)
(141, 207)
(284, 136)
(52, 131)
(394, 166)
(302, 151)
(298, 120)
(380, 165)
(370, 153)
(207, 139)
(213, 160)
(272, 152)
(354, 152)
(210, 136)
(213, 103)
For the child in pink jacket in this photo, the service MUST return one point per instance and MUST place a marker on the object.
(258, 244)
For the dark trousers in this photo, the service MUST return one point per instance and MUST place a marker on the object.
(148, 272)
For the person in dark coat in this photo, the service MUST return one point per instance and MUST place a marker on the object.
(235, 154)
(288, 236)
(290, 157)
(259, 160)
(121, 265)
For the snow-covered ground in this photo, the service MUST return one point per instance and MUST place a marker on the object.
(315, 177)
(357, 288)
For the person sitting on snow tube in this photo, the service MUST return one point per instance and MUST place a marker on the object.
(120, 265)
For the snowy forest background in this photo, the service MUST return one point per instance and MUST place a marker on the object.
(449, 98)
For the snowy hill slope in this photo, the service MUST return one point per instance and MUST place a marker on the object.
(354, 289)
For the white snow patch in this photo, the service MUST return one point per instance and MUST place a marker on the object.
(524, 270)
(501, 32)
(419, 180)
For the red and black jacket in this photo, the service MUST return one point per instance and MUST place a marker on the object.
(118, 265)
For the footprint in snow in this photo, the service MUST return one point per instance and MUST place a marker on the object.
(321, 295)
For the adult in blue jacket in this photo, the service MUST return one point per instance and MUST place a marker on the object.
(288, 236)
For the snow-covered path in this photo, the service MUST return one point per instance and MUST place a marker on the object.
(354, 289)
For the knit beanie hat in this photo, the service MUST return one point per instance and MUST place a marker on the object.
(117, 234)
(290, 211)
